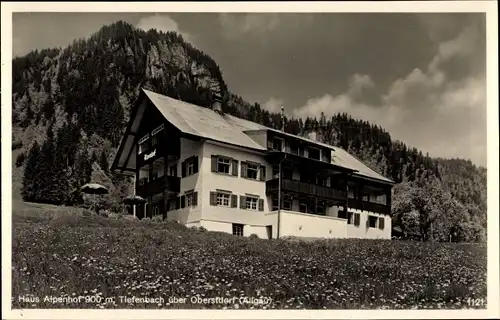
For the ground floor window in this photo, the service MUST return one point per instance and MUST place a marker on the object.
(237, 229)
(303, 207)
(372, 221)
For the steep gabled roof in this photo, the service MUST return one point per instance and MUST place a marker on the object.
(208, 124)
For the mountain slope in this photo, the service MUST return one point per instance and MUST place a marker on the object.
(92, 83)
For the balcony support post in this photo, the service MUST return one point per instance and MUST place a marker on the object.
(279, 198)
(346, 200)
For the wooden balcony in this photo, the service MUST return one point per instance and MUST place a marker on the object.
(169, 183)
(309, 189)
(369, 206)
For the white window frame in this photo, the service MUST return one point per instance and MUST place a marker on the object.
(255, 168)
(222, 197)
(251, 203)
(285, 206)
(158, 129)
(190, 167)
(224, 161)
(300, 207)
(189, 199)
(238, 232)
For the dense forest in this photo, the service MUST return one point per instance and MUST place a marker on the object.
(70, 107)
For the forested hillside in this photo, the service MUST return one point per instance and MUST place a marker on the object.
(70, 107)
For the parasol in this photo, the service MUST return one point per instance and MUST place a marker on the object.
(133, 199)
(94, 188)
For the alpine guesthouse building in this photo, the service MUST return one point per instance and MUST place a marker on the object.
(201, 167)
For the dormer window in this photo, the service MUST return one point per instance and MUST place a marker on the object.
(143, 144)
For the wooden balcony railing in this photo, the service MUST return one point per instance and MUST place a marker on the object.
(368, 206)
(169, 183)
(295, 186)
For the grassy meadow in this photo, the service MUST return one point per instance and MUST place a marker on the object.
(62, 258)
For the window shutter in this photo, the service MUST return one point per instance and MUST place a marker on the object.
(269, 144)
(214, 163)
(234, 201)
(262, 173)
(195, 199)
(261, 204)
(183, 201)
(183, 169)
(243, 169)
(368, 222)
(213, 198)
(177, 203)
(195, 164)
(381, 223)
(243, 204)
(357, 219)
(235, 167)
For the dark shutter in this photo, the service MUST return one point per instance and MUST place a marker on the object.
(234, 201)
(261, 204)
(381, 223)
(243, 202)
(262, 173)
(213, 198)
(243, 169)
(356, 219)
(195, 199)
(183, 169)
(214, 163)
(183, 201)
(177, 203)
(195, 164)
(235, 167)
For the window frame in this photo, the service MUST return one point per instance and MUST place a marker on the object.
(373, 218)
(222, 161)
(222, 196)
(252, 167)
(143, 142)
(281, 141)
(309, 153)
(237, 229)
(249, 201)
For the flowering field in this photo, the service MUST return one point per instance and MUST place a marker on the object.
(75, 261)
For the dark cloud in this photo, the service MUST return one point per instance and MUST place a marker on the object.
(403, 71)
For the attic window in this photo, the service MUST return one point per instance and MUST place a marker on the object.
(143, 144)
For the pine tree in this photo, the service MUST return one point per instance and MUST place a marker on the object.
(49, 181)
(30, 189)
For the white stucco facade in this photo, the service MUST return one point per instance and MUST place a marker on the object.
(254, 222)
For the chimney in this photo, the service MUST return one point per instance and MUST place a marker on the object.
(282, 118)
(217, 103)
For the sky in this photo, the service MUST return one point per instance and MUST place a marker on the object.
(419, 76)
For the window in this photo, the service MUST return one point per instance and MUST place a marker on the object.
(238, 229)
(155, 140)
(275, 204)
(294, 148)
(189, 166)
(372, 221)
(366, 197)
(341, 214)
(287, 204)
(278, 144)
(191, 199)
(223, 199)
(223, 165)
(158, 168)
(276, 171)
(303, 207)
(172, 171)
(350, 217)
(314, 153)
(252, 171)
(144, 175)
(143, 144)
(172, 205)
(251, 203)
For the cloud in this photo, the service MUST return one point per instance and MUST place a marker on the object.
(426, 108)
(236, 24)
(162, 22)
(273, 105)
